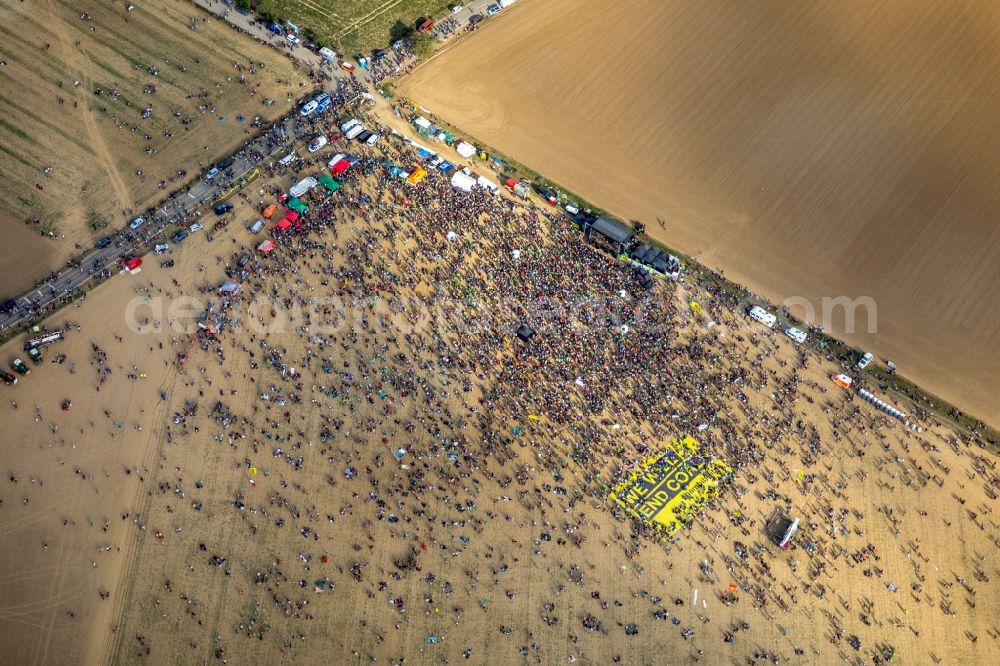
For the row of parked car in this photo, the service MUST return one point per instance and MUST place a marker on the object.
(319, 105)
(762, 316)
(353, 129)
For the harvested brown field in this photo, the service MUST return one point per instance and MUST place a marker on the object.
(74, 84)
(808, 149)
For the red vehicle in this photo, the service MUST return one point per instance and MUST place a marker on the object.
(426, 25)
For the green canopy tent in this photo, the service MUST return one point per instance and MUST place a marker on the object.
(298, 205)
(329, 183)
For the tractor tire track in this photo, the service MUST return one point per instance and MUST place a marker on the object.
(100, 148)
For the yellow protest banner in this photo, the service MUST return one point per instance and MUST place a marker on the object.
(668, 489)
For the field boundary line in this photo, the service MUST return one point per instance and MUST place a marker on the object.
(364, 20)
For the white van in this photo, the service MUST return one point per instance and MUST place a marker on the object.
(795, 334)
(287, 159)
(763, 316)
(354, 131)
(349, 124)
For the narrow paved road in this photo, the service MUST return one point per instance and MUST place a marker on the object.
(63, 285)
(128, 242)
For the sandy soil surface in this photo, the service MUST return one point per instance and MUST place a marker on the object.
(55, 64)
(809, 150)
(207, 501)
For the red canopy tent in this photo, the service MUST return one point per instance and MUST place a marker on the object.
(340, 167)
(133, 263)
(284, 223)
(291, 216)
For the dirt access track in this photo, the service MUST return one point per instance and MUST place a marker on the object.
(74, 87)
(809, 150)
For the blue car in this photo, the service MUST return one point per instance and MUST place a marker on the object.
(276, 28)
(179, 236)
(223, 208)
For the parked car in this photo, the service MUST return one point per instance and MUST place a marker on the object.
(355, 131)
(309, 107)
(8, 306)
(197, 226)
(475, 18)
(211, 173)
(349, 124)
(372, 140)
(104, 242)
(456, 9)
(364, 136)
(276, 28)
(137, 222)
(225, 164)
(8, 378)
(865, 360)
(161, 248)
(317, 143)
(292, 38)
(179, 236)
(493, 9)
(223, 208)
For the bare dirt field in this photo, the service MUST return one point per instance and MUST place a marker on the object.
(367, 465)
(74, 90)
(807, 149)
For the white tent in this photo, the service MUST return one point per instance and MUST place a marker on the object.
(420, 121)
(303, 186)
(465, 149)
(462, 181)
(487, 184)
